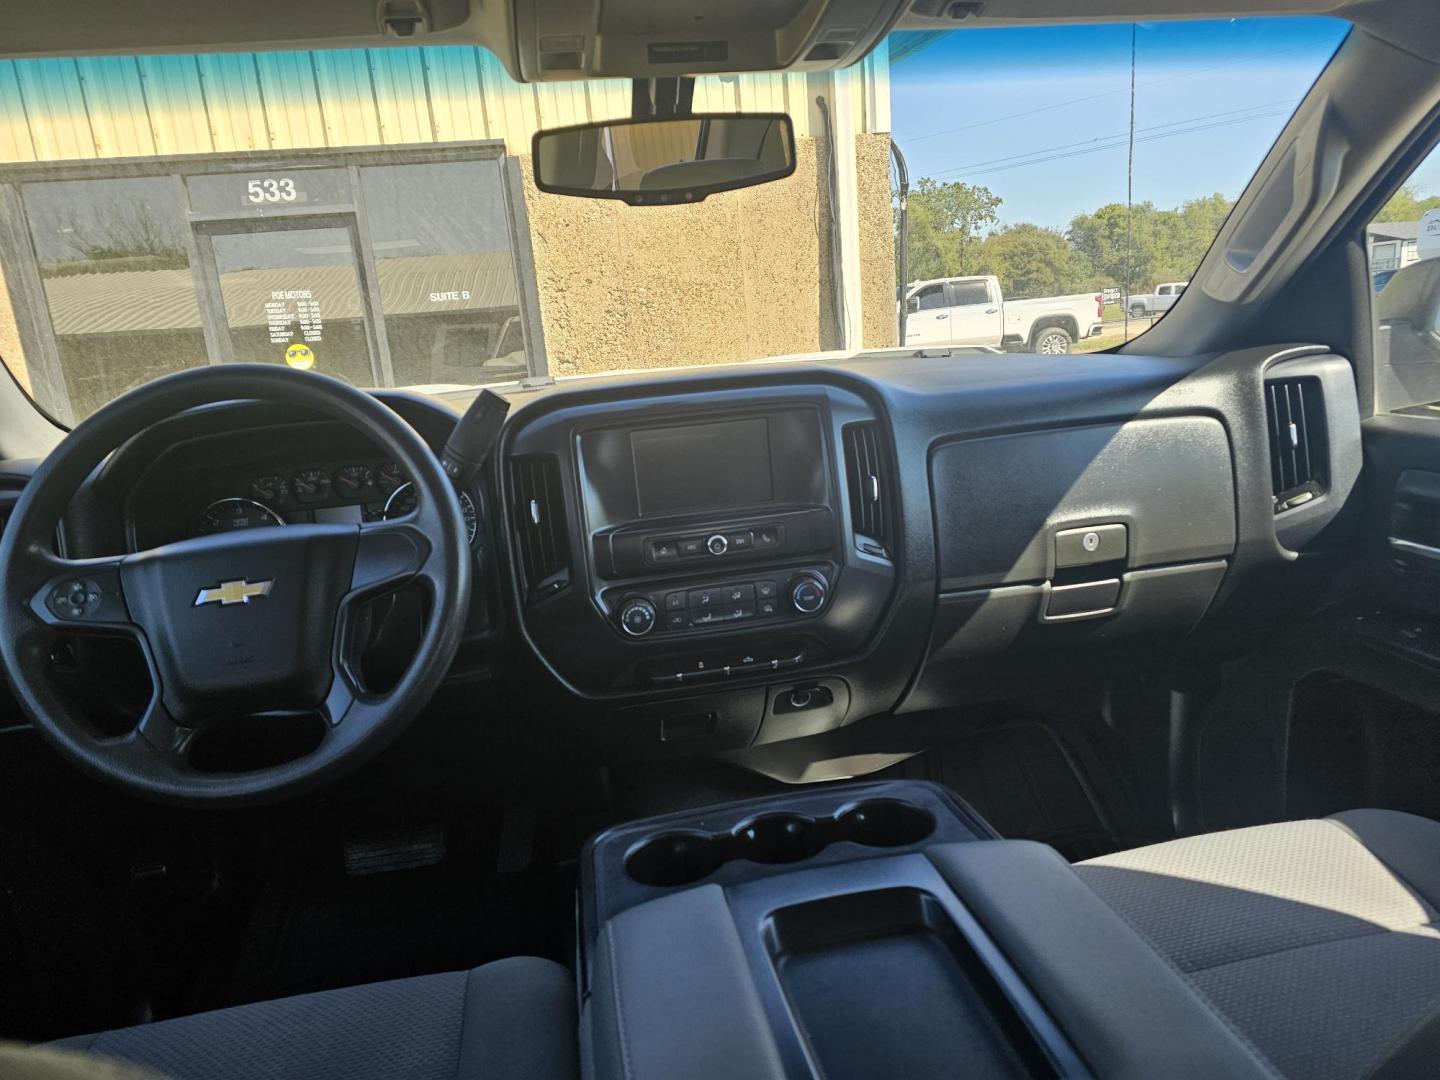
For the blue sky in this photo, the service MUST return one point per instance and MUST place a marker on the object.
(984, 106)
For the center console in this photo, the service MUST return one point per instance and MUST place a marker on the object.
(869, 930)
(728, 545)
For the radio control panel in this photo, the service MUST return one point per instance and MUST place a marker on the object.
(635, 550)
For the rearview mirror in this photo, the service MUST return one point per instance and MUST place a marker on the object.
(656, 161)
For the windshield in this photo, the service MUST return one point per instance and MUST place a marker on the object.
(371, 214)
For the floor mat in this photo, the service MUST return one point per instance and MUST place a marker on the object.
(1031, 786)
(319, 928)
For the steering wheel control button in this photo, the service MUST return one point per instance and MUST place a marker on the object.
(75, 599)
(808, 595)
(1090, 545)
(637, 617)
(717, 544)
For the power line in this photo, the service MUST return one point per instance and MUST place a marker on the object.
(1110, 93)
(1105, 138)
(1118, 145)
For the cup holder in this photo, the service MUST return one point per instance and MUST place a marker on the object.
(885, 823)
(673, 859)
(779, 838)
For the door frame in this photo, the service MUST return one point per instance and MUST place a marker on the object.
(207, 274)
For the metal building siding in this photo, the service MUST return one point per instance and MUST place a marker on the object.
(232, 97)
(115, 104)
(15, 144)
(126, 106)
(292, 103)
(175, 103)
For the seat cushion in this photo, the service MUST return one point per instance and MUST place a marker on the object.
(1317, 939)
(513, 1018)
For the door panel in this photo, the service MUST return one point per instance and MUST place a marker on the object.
(928, 323)
(975, 315)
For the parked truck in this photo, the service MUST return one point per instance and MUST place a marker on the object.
(970, 311)
(1158, 302)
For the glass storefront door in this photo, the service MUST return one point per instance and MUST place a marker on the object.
(293, 293)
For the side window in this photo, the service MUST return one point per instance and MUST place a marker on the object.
(968, 293)
(1403, 248)
(931, 297)
(1179, 289)
(1164, 290)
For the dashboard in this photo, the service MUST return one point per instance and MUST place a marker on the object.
(728, 560)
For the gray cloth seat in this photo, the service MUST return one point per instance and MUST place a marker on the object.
(1316, 940)
(514, 1018)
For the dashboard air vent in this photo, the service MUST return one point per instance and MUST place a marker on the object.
(868, 475)
(537, 515)
(1295, 411)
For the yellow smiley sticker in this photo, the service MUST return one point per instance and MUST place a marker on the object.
(300, 357)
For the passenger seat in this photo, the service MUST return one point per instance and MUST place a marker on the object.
(1315, 940)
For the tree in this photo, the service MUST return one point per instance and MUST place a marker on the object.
(1031, 261)
(1407, 205)
(1153, 245)
(945, 223)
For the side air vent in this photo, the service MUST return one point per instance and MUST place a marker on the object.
(537, 515)
(867, 474)
(1299, 448)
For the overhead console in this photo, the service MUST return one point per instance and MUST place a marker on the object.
(707, 541)
(559, 39)
(1107, 530)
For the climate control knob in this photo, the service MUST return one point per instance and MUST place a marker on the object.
(637, 617)
(809, 593)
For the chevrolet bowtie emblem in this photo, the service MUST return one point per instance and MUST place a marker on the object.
(233, 592)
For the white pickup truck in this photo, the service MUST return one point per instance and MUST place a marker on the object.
(1158, 302)
(971, 311)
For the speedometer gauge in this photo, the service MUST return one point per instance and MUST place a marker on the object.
(229, 515)
(403, 500)
(472, 519)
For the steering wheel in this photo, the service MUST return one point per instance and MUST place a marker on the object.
(234, 625)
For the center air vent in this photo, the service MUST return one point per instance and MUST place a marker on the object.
(867, 476)
(537, 516)
(1295, 415)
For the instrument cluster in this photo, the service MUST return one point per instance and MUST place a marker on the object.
(352, 492)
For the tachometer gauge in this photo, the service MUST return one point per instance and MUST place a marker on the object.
(472, 519)
(311, 485)
(229, 515)
(352, 481)
(388, 477)
(269, 489)
(402, 501)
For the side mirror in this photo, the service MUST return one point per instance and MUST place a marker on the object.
(912, 305)
(664, 160)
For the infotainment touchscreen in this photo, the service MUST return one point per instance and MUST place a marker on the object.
(721, 464)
